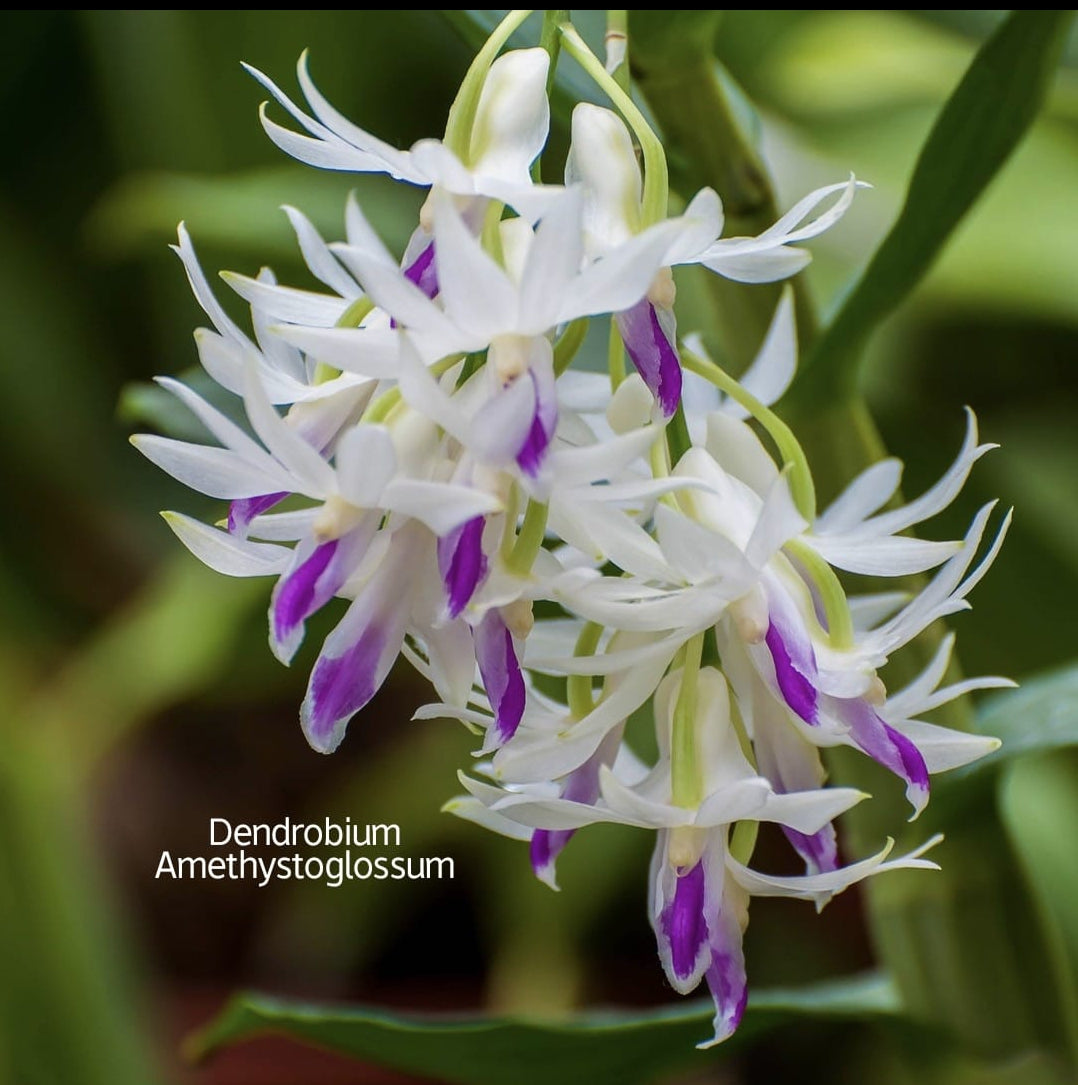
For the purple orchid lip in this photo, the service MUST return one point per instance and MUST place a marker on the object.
(726, 980)
(462, 563)
(650, 347)
(341, 685)
(546, 845)
(501, 674)
(819, 849)
(540, 432)
(301, 592)
(683, 922)
(889, 747)
(794, 684)
(582, 785)
(244, 509)
(423, 272)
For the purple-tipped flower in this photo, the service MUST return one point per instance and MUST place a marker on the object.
(462, 563)
(649, 332)
(503, 680)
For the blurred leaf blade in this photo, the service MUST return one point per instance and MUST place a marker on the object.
(1040, 716)
(627, 1047)
(242, 210)
(1038, 799)
(980, 125)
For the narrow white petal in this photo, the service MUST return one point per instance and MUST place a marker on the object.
(778, 523)
(471, 809)
(322, 263)
(553, 262)
(285, 303)
(787, 227)
(907, 702)
(702, 223)
(734, 259)
(313, 475)
(225, 553)
(451, 652)
(212, 307)
(940, 495)
(622, 276)
(371, 353)
(869, 491)
(733, 444)
(387, 287)
(394, 161)
(476, 292)
(813, 886)
(442, 506)
(225, 430)
(366, 461)
(773, 368)
(809, 811)
(896, 555)
(217, 472)
(945, 749)
(226, 361)
(283, 526)
(868, 611)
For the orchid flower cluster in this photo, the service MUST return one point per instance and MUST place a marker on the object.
(421, 445)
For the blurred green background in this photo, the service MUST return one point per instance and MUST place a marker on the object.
(139, 695)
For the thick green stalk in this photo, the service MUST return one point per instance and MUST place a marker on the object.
(686, 778)
(675, 68)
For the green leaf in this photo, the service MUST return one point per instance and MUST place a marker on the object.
(629, 1048)
(1039, 717)
(978, 128)
(242, 210)
(1042, 715)
(143, 404)
(1038, 807)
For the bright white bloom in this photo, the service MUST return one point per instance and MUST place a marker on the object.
(510, 130)
(602, 159)
(699, 891)
(417, 443)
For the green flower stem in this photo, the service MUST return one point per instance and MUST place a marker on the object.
(458, 129)
(352, 317)
(578, 686)
(836, 607)
(656, 176)
(617, 37)
(743, 840)
(678, 441)
(615, 357)
(686, 781)
(569, 343)
(392, 398)
(793, 456)
(530, 540)
(509, 532)
(675, 69)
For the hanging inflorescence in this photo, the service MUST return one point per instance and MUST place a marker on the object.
(421, 445)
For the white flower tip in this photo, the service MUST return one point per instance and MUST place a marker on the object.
(548, 876)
